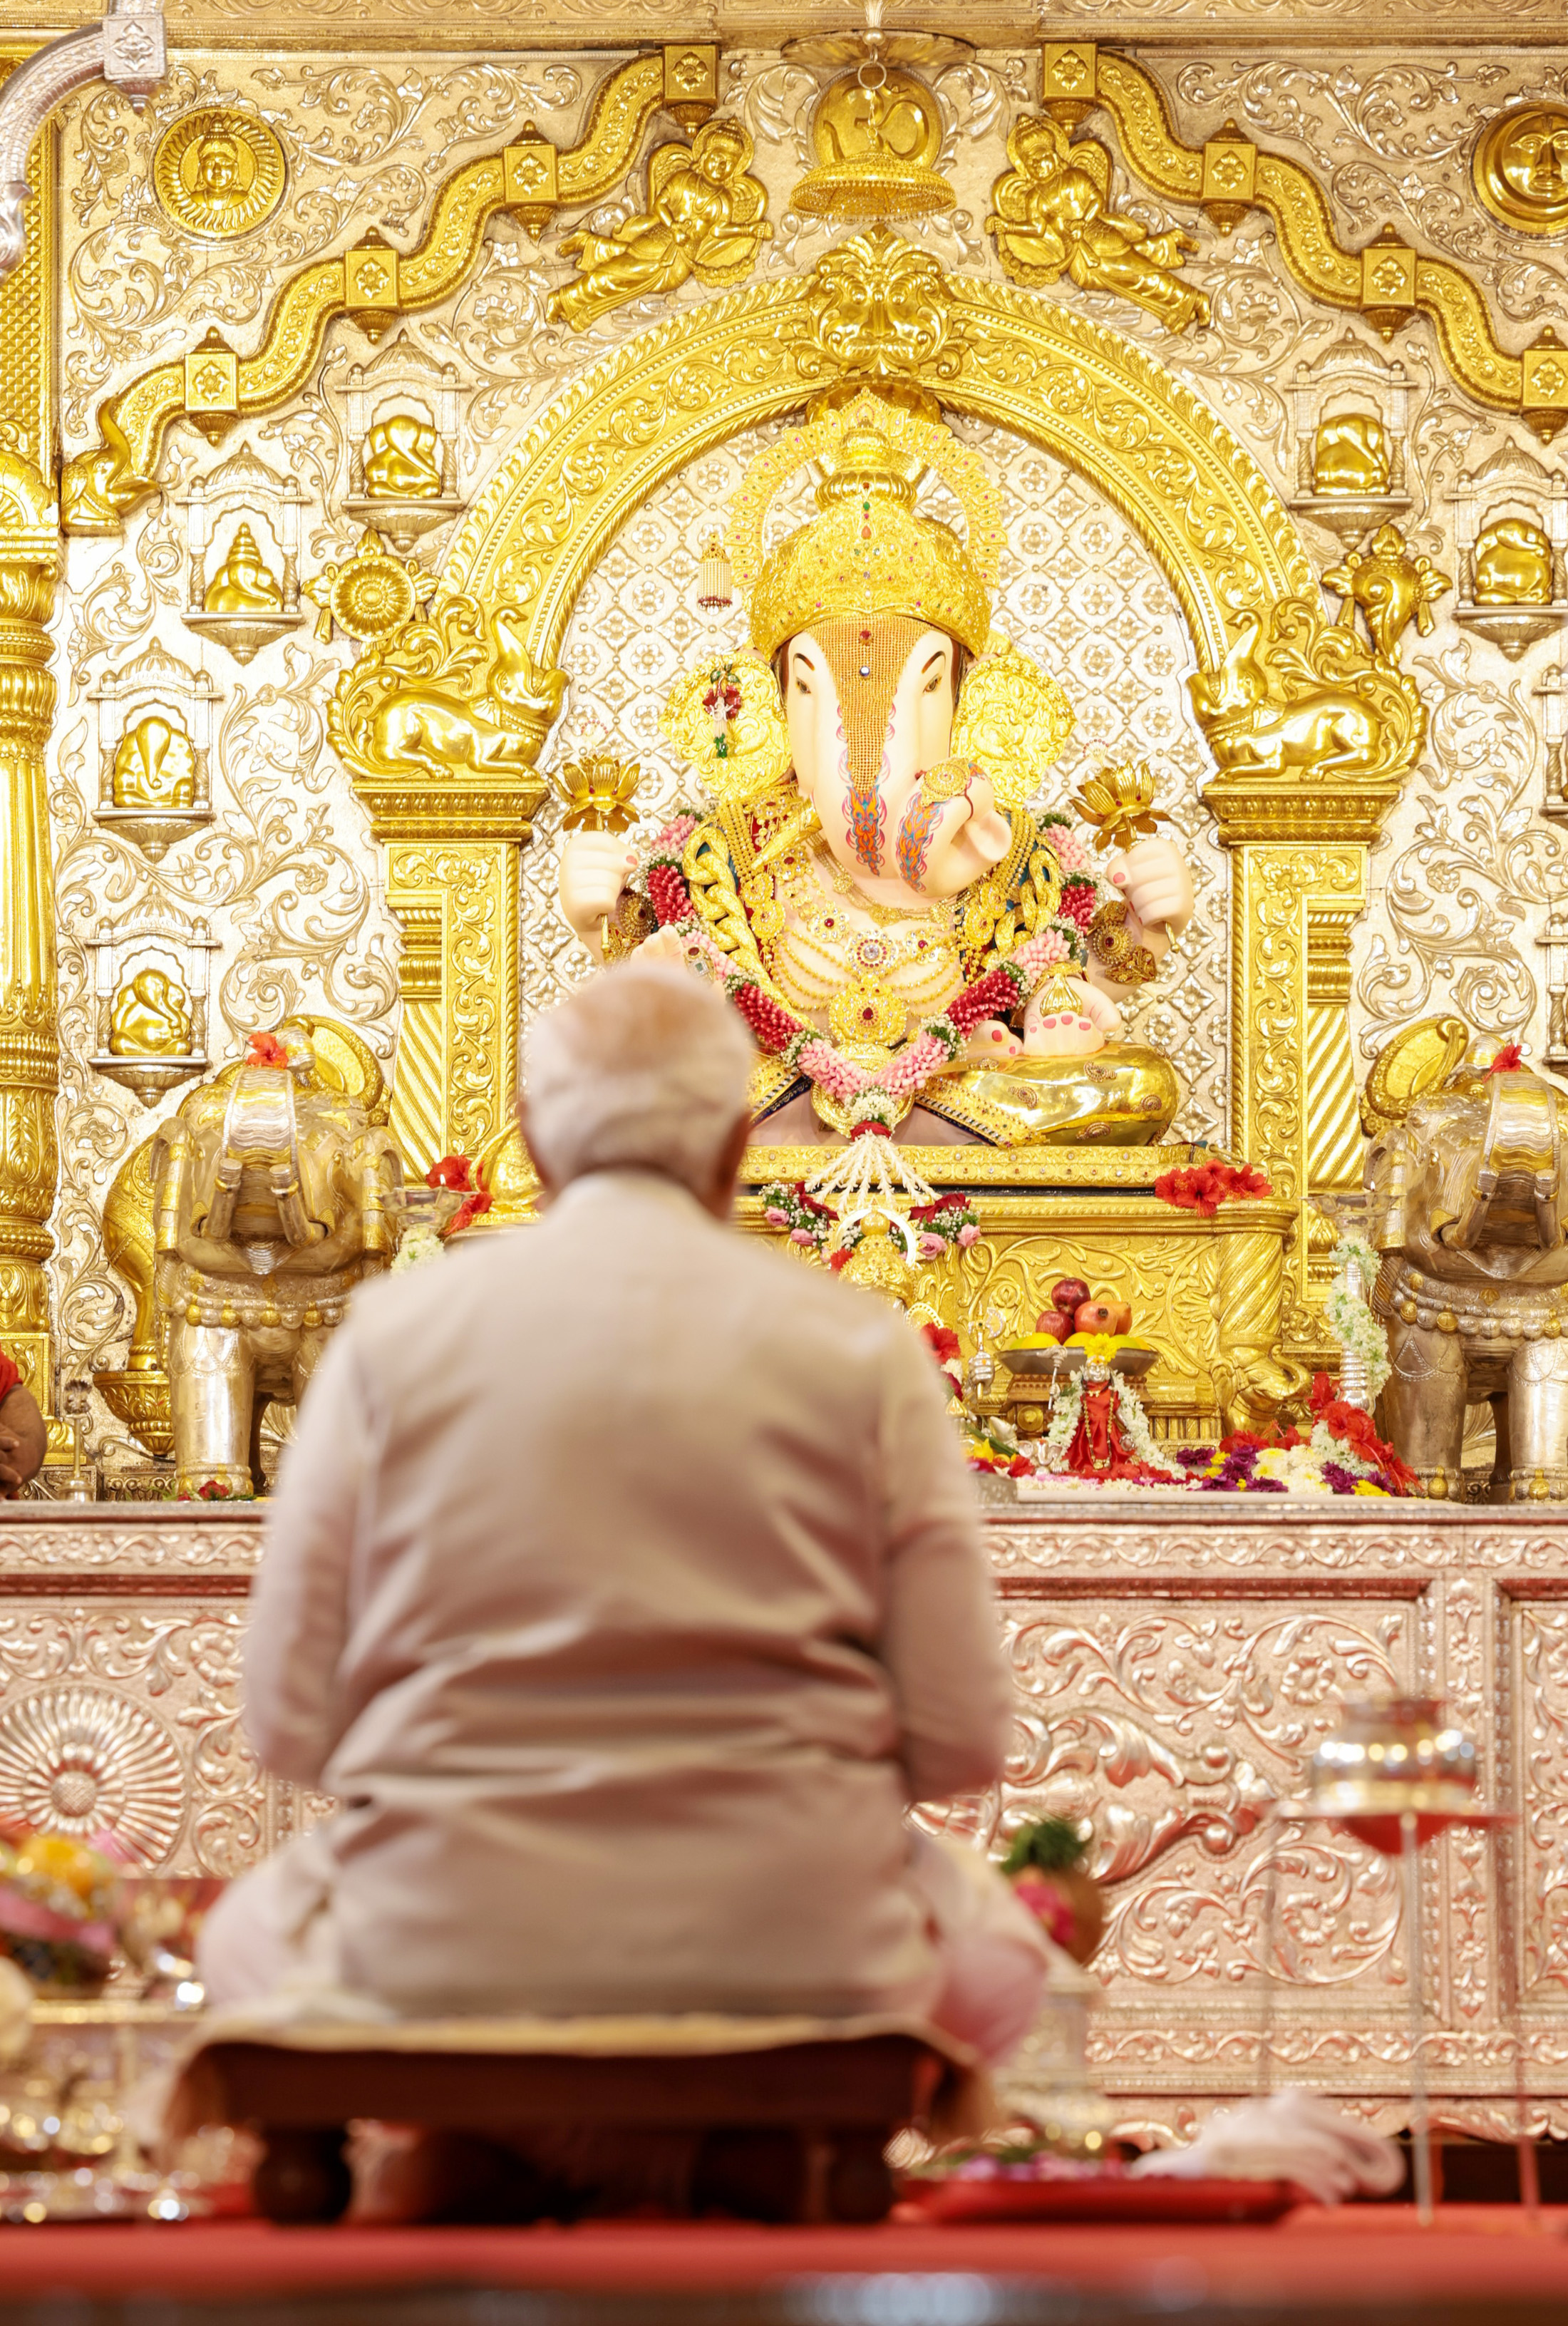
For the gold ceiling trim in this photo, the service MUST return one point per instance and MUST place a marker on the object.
(1079, 389)
(373, 284)
(1388, 282)
(432, 26)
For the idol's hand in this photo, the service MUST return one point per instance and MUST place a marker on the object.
(1158, 887)
(594, 870)
(1075, 1032)
(943, 845)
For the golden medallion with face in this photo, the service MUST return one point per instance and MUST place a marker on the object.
(1521, 169)
(219, 173)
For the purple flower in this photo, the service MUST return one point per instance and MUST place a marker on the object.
(1341, 1480)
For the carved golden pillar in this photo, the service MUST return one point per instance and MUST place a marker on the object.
(457, 1049)
(1298, 881)
(30, 564)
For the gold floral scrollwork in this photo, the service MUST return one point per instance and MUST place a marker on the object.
(705, 218)
(1301, 699)
(439, 723)
(877, 306)
(1391, 587)
(373, 282)
(1053, 216)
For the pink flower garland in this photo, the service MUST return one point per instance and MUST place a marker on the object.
(875, 1098)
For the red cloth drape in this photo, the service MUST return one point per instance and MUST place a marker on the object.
(9, 1376)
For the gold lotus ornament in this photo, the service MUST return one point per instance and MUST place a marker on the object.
(1119, 802)
(371, 594)
(598, 790)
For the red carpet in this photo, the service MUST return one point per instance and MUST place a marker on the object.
(1369, 2254)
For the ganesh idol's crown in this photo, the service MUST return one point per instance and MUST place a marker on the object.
(868, 551)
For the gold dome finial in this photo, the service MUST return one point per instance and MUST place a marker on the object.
(868, 551)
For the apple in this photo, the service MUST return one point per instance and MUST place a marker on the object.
(1096, 1317)
(1069, 1294)
(1053, 1324)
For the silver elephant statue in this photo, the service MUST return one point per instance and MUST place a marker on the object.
(1468, 1196)
(269, 1205)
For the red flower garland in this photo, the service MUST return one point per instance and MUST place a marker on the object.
(1203, 1188)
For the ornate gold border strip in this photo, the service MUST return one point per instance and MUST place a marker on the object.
(1388, 282)
(374, 284)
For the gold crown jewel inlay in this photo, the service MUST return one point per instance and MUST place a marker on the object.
(219, 173)
(868, 551)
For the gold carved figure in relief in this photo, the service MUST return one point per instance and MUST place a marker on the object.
(1299, 697)
(705, 218)
(403, 458)
(1520, 169)
(150, 1017)
(877, 136)
(155, 765)
(879, 307)
(1053, 216)
(371, 594)
(1513, 565)
(1351, 454)
(1391, 587)
(448, 694)
(219, 173)
(269, 1191)
(872, 847)
(244, 583)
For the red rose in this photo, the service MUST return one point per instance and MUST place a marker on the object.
(266, 1050)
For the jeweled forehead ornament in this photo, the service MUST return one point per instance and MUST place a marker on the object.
(868, 551)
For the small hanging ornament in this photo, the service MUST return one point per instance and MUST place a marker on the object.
(715, 583)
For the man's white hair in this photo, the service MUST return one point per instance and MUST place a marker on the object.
(642, 1068)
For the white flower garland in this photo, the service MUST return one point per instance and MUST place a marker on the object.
(419, 1247)
(1066, 1407)
(1350, 1320)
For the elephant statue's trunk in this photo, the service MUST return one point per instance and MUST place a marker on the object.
(1512, 1197)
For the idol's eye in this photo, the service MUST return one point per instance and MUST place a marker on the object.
(932, 684)
(801, 686)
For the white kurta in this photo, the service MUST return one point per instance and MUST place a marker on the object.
(625, 1584)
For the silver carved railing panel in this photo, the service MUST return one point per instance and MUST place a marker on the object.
(1175, 1667)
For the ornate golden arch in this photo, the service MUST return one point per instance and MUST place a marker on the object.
(1206, 511)
(878, 308)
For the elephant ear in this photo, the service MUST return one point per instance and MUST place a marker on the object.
(1415, 1063)
(738, 758)
(345, 1063)
(1012, 718)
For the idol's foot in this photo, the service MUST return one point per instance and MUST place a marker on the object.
(1124, 1096)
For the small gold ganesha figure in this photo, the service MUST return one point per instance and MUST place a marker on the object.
(154, 765)
(873, 859)
(403, 459)
(1351, 454)
(243, 583)
(151, 1017)
(1513, 565)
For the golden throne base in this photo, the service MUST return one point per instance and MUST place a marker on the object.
(1207, 1292)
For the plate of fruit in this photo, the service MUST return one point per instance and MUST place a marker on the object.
(1077, 1324)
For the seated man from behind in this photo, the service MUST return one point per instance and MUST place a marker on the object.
(625, 1586)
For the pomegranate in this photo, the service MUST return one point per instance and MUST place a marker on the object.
(1095, 1317)
(1053, 1324)
(1122, 1311)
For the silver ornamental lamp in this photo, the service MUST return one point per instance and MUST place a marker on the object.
(1394, 1774)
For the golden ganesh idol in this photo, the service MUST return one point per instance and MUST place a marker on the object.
(870, 856)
